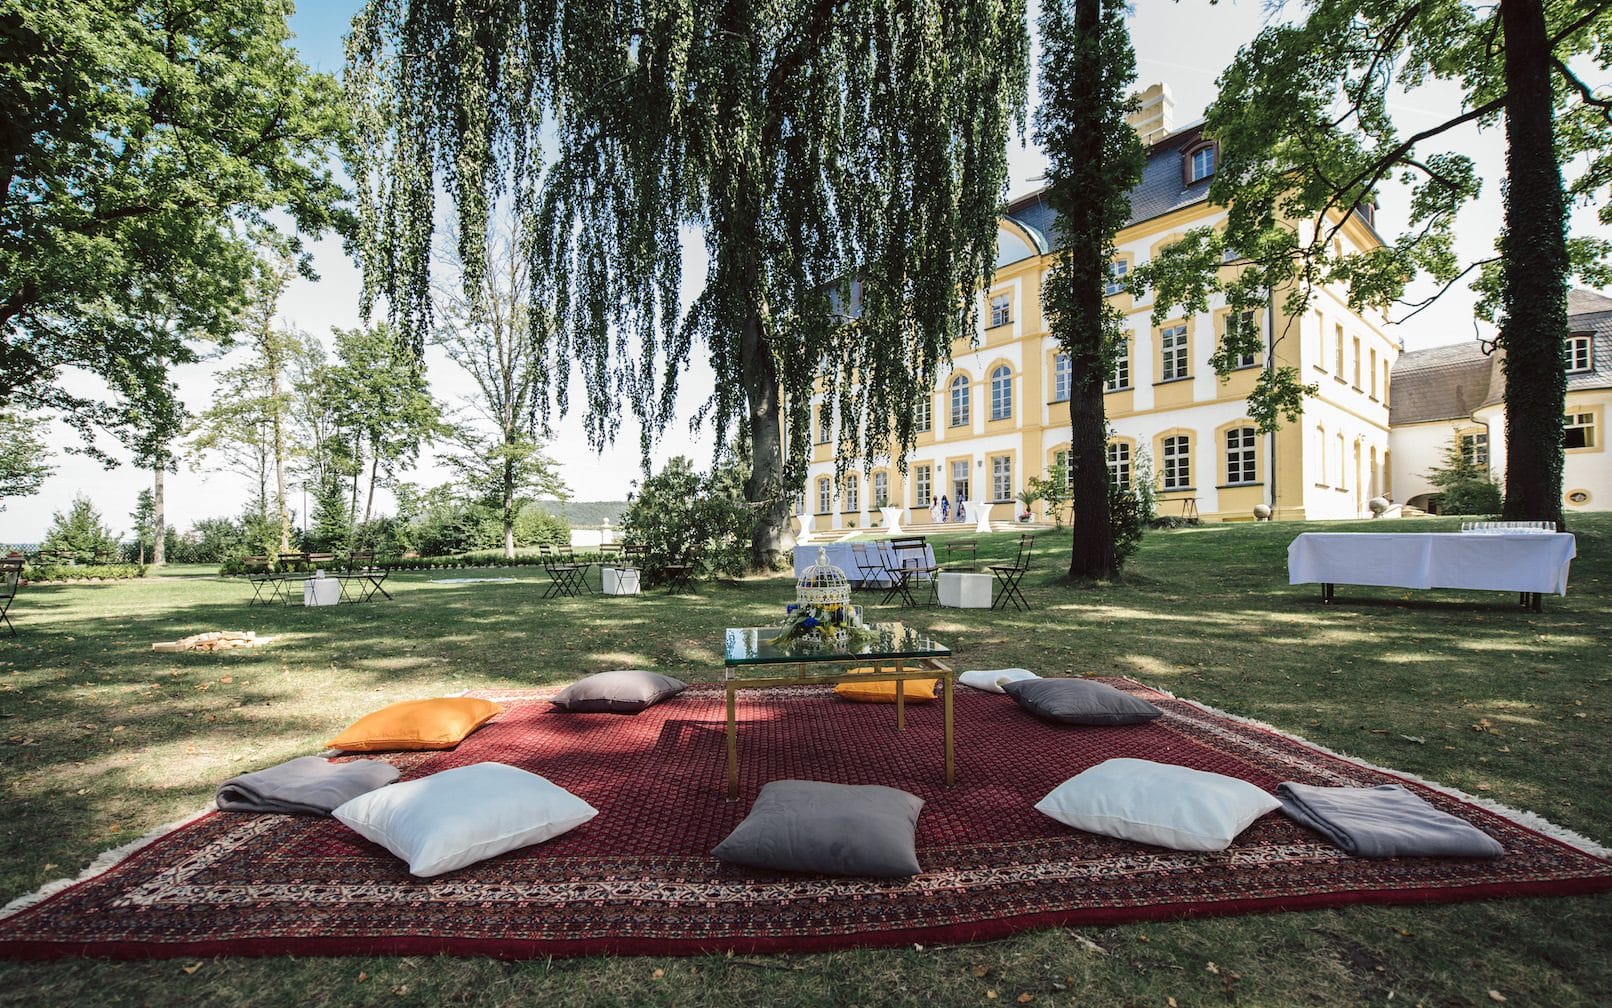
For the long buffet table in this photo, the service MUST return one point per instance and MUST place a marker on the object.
(1531, 563)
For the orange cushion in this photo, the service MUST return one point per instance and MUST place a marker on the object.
(416, 724)
(913, 690)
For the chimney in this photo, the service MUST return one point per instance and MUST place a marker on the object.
(1152, 117)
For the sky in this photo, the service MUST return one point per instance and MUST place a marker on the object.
(1185, 44)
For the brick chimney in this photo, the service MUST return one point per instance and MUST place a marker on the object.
(1152, 118)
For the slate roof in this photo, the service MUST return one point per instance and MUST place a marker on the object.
(1450, 382)
(1160, 191)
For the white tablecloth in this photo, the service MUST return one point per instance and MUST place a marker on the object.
(1521, 562)
(863, 566)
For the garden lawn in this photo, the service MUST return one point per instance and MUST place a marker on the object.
(101, 740)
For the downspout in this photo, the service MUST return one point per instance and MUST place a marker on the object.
(1270, 362)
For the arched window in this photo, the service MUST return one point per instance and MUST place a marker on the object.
(825, 496)
(1001, 393)
(959, 417)
(1061, 377)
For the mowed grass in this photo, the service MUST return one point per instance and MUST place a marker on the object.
(101, 740)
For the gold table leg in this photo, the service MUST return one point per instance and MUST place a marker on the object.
(901, 702)
(733, 747)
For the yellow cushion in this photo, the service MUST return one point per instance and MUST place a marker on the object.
(913, 690)
(416, 724)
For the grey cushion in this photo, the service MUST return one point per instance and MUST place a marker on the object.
(830, 829)
(1080, 701)
(624, 691)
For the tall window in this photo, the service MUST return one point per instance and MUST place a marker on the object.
(1578, 430)
(1001, 312)
(1239, 324)
(1117, 271)
(1475, 449)
(959, 417)
(1119, 464)
(1203, 164)
(1342, 480)
(1173, 347)
(1001, 393)
(825, 425)
(853, 494)
(1321, 341)
(923, 486)
(1178, 462)
(1373, 370)
(825, 496)
(1580, 353)
(1062, 459)
(924, 417)
(1061, 377)
(959, 482)
(1355, 348)
(1120, 378)
(1321, 468)
(881, 489)
(1338, 346)
(1240, 464)
(1002, 477)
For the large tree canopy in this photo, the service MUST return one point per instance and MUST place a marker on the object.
(845, 161)
(139, 144)
(1308, 138)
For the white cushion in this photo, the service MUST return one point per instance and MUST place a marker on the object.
(464, 815)
(991, 680)
(1158, 803)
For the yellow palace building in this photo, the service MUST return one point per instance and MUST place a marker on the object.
(1001, 416)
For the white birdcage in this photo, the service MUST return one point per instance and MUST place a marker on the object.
(823, 585)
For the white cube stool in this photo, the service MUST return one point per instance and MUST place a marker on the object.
(618, 580)
(321, 591)
(964, 590)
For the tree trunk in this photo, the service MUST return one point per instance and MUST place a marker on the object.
(509, 501)
(159, 519)
(279, 453)
(770, 536)
(1534, 255)
(1092, 552)
(369, 500)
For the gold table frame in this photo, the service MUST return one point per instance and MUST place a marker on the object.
(886, 669)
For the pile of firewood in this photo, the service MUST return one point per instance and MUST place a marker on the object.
(217, 640)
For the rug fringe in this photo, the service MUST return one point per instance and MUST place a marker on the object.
(1532, 820)
(104, 862)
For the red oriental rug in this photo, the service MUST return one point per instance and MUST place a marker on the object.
(639, 877)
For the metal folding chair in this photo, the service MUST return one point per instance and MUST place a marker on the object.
(10, 579)
(1008, 577)
(261, 575)
(913, 564)
(566, 576)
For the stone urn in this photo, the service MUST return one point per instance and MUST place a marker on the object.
(1378, 506)
(1262, 512)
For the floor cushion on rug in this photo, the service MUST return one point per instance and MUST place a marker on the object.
(992, 680)
(467, 814)
(1158, 803)
(624, 691)
(912, 690)
(306, 785)
(441, 723)
(830, 829)
(1079, 701)
(1384, 821)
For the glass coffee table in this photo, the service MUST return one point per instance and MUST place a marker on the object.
(899, 653)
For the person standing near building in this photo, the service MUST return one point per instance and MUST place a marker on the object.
(945, 508)
(961, 515)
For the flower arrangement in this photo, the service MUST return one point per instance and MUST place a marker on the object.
(834, 621)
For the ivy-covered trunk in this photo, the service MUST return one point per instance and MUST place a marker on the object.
(1534, 248)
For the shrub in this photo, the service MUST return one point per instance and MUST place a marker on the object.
(79, 572)
(1126, 519)
(79, 535)
(1466, 487)
(682, 517)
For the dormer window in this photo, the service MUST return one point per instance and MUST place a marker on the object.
(1580, 354)
(1200, 162)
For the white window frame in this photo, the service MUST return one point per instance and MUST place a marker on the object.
(1063, 376)
(1119, 464)
(923, 486)
(1580, 354)
(1202, 163)
(825, 425)
(959, 482)
(825, 495)
(923, 420)
(853, 494)
(1002, 393)
(960, 405)
(1119, 380)
(1579, 421)
(1242, 456)
(881, 488)
(1001, 310)
(1173, 351)
(1001, 477)
(1118, 270)
(1246, 360)
(1474, 448)
(1177, 462)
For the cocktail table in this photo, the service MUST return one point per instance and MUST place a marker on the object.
(898, 654)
